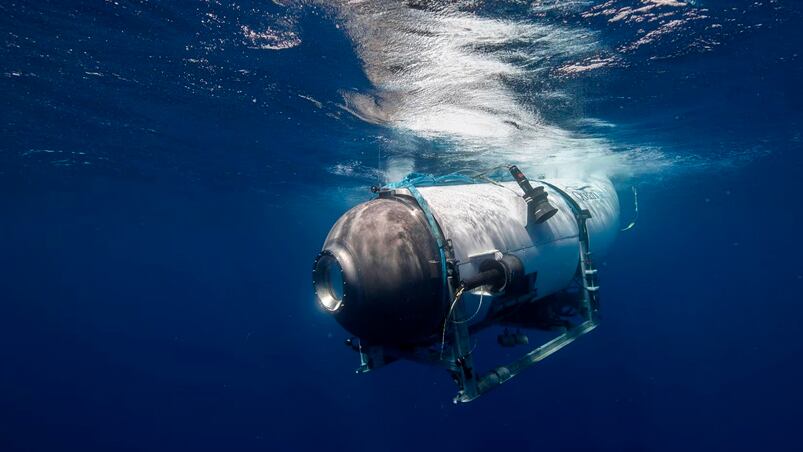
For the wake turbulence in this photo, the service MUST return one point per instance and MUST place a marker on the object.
(415, 272)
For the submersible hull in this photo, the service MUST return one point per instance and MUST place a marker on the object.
(390, 266)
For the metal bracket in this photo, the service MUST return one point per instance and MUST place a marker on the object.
(502, 374)
(371, 357)
(471, 387)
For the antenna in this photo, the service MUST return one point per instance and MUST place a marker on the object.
(379, 164)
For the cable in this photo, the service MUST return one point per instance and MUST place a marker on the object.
(457, 295)
(482, 295)
(499, 185)
(490, 170)
(635, 213)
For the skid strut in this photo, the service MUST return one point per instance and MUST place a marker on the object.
(473, 387)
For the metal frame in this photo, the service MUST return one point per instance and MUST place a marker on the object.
(458, 358)
(471, 387)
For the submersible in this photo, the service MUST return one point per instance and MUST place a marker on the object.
(416, 271)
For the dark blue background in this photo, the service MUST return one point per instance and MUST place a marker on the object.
(158, 297)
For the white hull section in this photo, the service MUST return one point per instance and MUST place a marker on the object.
(484, 219)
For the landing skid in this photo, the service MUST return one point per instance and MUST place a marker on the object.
(456, 358)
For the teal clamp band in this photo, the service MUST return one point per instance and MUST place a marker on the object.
(428, 180)
(576, 209)
(436, 232)
(413, 180)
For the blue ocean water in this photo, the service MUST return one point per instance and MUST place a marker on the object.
(168, 172)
